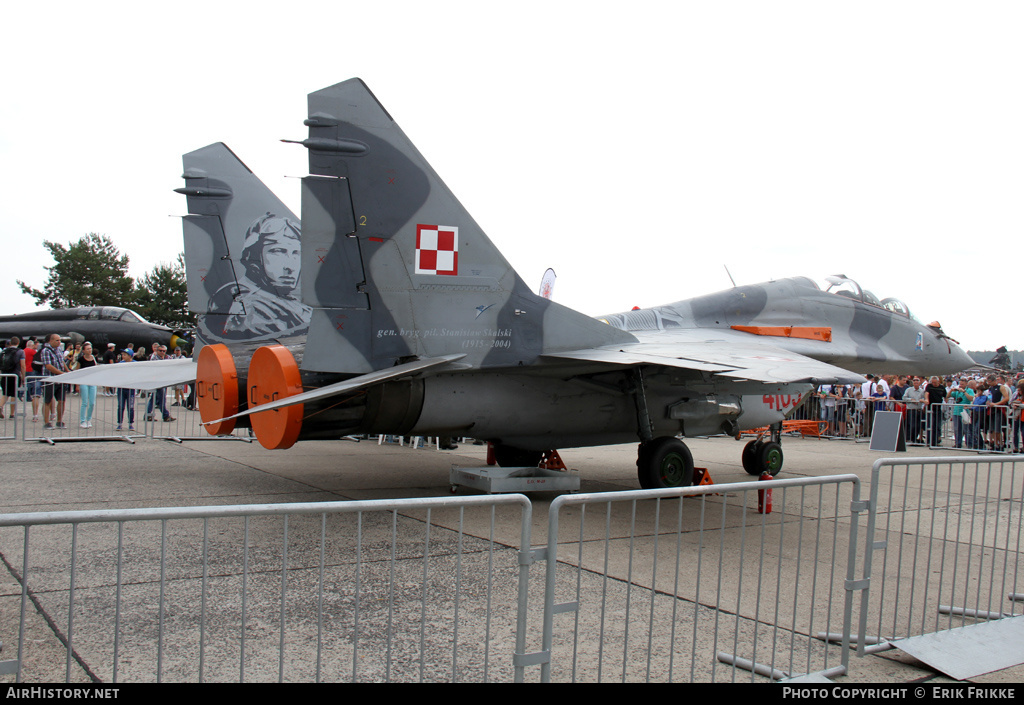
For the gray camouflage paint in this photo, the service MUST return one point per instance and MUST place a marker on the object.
(533, 374)
(484, 311)
(865, 338)
(225, 200)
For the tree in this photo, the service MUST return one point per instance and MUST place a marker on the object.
(90, 272)
(161, 296)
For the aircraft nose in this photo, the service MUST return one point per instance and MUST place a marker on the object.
(961, 357)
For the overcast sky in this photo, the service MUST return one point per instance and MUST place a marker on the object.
(637, 148)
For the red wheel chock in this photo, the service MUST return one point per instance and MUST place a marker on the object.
(550, 460)
(701, 476)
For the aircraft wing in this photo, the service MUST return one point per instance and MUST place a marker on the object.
(725, 357)
(152, 374)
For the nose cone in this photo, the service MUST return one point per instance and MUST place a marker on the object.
(941, 356)
(953, 359)
(960, 358)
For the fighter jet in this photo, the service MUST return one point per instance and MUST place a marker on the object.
(418, 325)
(405, 318)
(97, 324)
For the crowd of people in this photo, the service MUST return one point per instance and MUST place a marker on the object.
(984, 411)
(28, 368)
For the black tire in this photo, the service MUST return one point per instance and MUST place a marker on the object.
(511, 457)
(664, 462)
(770, 458)
(642, 452)
(751, 451)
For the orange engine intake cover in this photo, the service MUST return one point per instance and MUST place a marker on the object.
(217, 388)
(273, 375)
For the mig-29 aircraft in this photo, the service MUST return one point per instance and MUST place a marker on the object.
(417, 325)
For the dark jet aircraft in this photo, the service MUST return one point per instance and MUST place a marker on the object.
(398, 315)
(97, 324)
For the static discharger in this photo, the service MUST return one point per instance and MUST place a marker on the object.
(273, 375)
(217, 388)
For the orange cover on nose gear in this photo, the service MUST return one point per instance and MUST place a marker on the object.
(274, 374)
(217, 388)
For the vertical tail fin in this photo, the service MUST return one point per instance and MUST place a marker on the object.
(394, 266)
(241, 252)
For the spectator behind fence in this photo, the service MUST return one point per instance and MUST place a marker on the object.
(936, 394)
(1017, 402)
(12, 366)
(32, 391)
(87, 391)
(109, 358)
(914, 398)
(125, 399)
(961, 398)
(53, 365)
(998, 404)
(979, 417)
(158, 399)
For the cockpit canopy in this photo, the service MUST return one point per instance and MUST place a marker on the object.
(110, 313)
(841, 285)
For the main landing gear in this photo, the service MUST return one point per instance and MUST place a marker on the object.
(664, 462)
(760, 456)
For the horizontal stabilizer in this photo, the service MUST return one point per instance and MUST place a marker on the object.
(404, 370)
(152, 374)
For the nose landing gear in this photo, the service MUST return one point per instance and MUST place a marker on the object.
(760, 456)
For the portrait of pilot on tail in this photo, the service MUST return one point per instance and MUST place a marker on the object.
(268, 299)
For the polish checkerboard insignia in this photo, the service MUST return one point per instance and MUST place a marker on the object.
(437, 250)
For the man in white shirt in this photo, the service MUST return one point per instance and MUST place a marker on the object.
(868, 388)
(914, 398)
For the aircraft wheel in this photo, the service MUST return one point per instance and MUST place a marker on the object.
(664, 462)
(749, 457)
(770, 458)
(511, 457)
(641, 464)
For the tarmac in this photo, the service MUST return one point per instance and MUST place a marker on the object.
(40, 477)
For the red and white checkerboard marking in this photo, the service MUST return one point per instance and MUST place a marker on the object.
(437, 250)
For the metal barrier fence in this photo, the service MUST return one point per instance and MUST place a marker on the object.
(10, 409)
(171, 415)
(844, 418)
(400, 591)
(654, 585)
(944, 545)
(99, 413)
(994, 429)
(983, 429)
(657, 585)
(360, 591)
(167, 414)
(78, 412)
